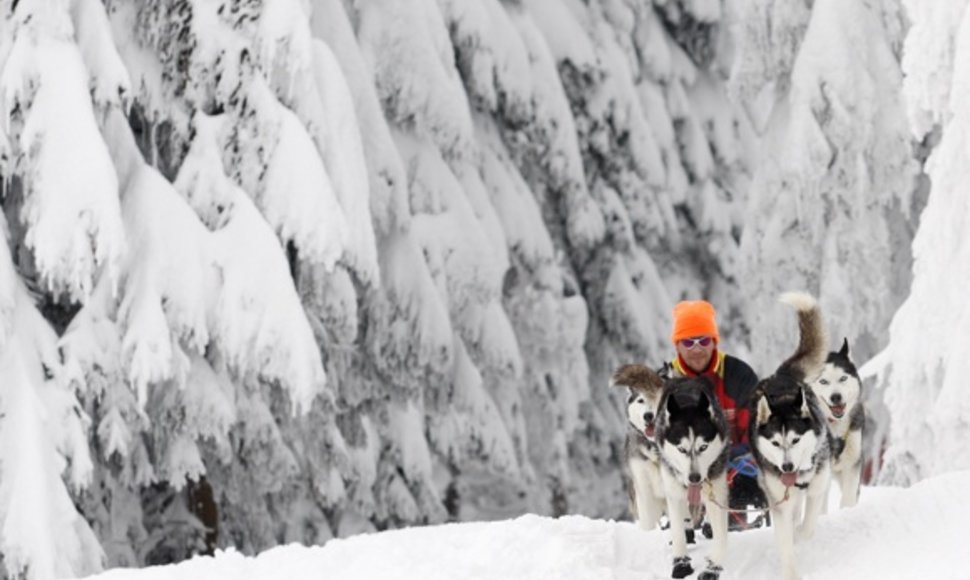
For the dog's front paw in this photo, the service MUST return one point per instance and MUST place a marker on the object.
(682, 567)
(707, 530)
(710, 574)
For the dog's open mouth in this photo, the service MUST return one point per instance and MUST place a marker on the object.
(649, 430)
(837, 410)
(789, 479)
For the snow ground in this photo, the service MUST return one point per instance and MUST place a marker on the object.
(894, 533)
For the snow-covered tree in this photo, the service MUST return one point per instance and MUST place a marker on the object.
(629, 147)
(43, 445)
(167, 213)
(834, 198)
(922, 376)
(837, 191)
(58, 189)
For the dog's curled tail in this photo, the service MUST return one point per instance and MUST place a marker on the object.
(636, 377)
(813, 339)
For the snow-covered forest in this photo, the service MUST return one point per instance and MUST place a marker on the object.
(290, 270)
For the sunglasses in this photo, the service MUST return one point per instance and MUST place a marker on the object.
(690, 342)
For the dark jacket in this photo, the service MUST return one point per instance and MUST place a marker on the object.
(734, 381)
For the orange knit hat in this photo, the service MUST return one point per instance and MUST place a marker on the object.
(694, 318)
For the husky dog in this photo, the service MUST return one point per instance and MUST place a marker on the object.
(790, 439)
(642, 456)
(694, 444)
(840, 389)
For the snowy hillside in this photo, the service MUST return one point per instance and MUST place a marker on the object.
(893, 534)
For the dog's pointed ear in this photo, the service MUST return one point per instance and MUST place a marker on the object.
(666, 371)
(845, 348)
(672, 406)
(617, 380)
(638, 377)
(704, 403)
(764, 410)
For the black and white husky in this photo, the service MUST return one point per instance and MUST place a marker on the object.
(790, 439)
(642, 456)
(693, 438)
(839, 388)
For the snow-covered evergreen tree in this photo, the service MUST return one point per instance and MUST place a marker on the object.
(923, 377)
(659, 145)
(58, 189)
(834, 198)
(43, 445)
(837, 192)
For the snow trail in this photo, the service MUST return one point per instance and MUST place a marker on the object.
(876, 539)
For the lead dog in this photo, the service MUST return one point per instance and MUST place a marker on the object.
(839, 388)
(694, 442)
(790, 439)
(642, 456)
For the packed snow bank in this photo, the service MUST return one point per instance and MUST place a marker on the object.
(892, 533)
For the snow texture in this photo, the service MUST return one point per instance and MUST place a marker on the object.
(874, 540)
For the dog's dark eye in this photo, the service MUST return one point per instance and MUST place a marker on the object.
(776, 444)
(823, 381)
(844, 378)
(682, 450)
(796, 440)
(702, 448)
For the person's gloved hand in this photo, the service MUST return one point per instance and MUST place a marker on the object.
(742, 461)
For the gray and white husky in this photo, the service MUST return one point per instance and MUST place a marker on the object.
(694, 441)
(839, 388)
(642, 456)
(789, 436)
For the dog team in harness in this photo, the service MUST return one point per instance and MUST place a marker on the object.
(710, 442)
